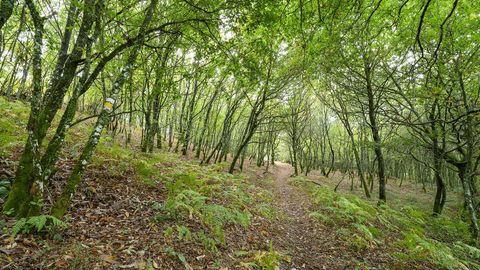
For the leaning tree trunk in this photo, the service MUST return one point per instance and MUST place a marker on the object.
(54, 146)
(247, 135)
(27, 182)
(190, 115)
(62, 203)
(19, 194)
(205, 122)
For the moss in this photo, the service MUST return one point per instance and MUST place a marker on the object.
(12, 125)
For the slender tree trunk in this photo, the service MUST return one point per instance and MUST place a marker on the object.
(190, 114)
(18, 199)
(376, 136)
(205, 122)
(62, 203)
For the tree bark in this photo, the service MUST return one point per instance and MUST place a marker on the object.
(62, 203)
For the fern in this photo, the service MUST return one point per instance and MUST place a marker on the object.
(5, 187)
(469, 255)
(426, 249)
(18, 226)
(184, 233)
(170, 251)
(210, 244)
(37, 224)
(269, 260)
(322, 217)
(440, 241)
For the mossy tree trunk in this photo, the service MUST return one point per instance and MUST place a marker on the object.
(373, 123)
(18, 199)
(63, 201)
(28, 184)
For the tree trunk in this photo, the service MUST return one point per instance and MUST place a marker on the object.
(6, 9)
(62, 203)
(18, 199)
(376, 136)
(464, 175)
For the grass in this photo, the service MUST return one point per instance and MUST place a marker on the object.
(12, 125)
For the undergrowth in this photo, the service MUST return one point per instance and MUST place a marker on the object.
(12, 124)
(201, 201)
(214, 201)
(416, 235)
(266, 260)
(37, 224)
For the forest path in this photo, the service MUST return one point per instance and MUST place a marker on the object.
(308, 244)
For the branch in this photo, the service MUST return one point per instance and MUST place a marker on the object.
(441, 28)
(419, 29)
(97, 115)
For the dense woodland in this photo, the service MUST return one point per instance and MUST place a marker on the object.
(378, 91)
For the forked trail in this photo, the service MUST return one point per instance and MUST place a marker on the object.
(308, 244)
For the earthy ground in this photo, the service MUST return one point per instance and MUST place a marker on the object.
(309, 245)
(111, 228)
(312, 245)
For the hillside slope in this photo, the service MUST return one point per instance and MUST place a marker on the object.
(162, 211)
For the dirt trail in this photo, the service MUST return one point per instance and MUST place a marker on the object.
(310, 245)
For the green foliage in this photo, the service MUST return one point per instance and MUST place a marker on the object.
(447, 230)
(168, 232)
(12, 122)
(269, 260)
(2, 226)
(299, 181)
(209, 243)
(468, 254)
(238, 197)
(181, 182)
(456, 256)
(438, 240)
(421, 248)
(120, 160)
(369, 233)
(171, 252)
(213, 199)
(37, 224)
(145, 166)
(183, 233)
(4, 188)
(322, 218)
(188, 201)
(214, 216)
(265, 210)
